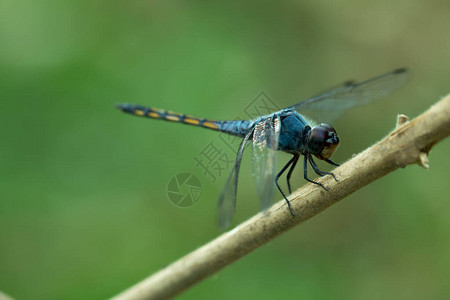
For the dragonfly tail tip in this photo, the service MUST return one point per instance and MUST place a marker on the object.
(121, 106)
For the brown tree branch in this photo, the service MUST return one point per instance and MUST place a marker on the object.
(408, 144)
(3, 296)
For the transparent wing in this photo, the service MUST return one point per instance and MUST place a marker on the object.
(333, 103)
(264, 150)
(227, 198)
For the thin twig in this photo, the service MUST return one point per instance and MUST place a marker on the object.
(408, 144)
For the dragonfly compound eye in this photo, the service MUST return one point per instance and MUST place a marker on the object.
(331, 141)
(316, 140)
(322, 141)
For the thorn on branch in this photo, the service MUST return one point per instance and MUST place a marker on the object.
(423, 160)
(401, 119)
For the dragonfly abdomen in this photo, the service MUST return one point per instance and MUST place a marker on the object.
(238, 128)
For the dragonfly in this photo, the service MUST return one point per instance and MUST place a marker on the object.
(289, 130)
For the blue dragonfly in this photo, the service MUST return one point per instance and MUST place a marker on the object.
(286, 130)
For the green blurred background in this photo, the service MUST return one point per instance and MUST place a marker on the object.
(83, 210)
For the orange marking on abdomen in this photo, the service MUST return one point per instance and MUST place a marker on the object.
(210, 125)
(172, 118)
(191, 121)
(153, 115)
(139, 112)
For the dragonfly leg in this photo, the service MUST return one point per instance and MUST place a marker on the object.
(332, 162)
(305, 173)
(292, 160)
(288, 177)
(316, 169)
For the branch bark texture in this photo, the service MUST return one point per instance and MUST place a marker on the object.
(409, 143)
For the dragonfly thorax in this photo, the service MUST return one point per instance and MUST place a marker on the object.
(321, 141)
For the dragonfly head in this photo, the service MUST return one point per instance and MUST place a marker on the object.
(322, 140)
